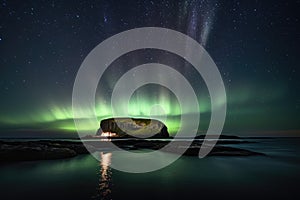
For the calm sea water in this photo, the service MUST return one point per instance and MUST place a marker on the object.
(275, 176)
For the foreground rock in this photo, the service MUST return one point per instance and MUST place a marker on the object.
(39, 150)
(36, 152)
(133, 127)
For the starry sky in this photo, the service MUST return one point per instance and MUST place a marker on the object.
(255, 45)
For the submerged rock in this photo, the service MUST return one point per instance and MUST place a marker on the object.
(133, 127)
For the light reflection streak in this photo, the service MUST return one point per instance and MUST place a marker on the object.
(105, 182)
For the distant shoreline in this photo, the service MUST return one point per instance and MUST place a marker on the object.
(79, 139)
(14, 150)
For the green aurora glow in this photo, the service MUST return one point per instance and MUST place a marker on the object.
(61, 118)
(242, 113)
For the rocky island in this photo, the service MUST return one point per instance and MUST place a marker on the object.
(133, 127)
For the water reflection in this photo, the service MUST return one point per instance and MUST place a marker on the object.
(105, 181)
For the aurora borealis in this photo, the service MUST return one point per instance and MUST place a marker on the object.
(254, 44)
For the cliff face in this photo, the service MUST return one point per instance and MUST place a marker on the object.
(134, 127)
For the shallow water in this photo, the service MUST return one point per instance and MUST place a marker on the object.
(275, 176)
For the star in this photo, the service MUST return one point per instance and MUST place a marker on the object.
(105, 19)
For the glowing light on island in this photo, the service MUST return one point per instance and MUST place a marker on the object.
(108, 134)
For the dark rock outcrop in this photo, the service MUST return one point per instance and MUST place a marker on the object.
(193, 149)
(134, 127)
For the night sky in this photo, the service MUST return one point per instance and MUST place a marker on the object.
(255, 45)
